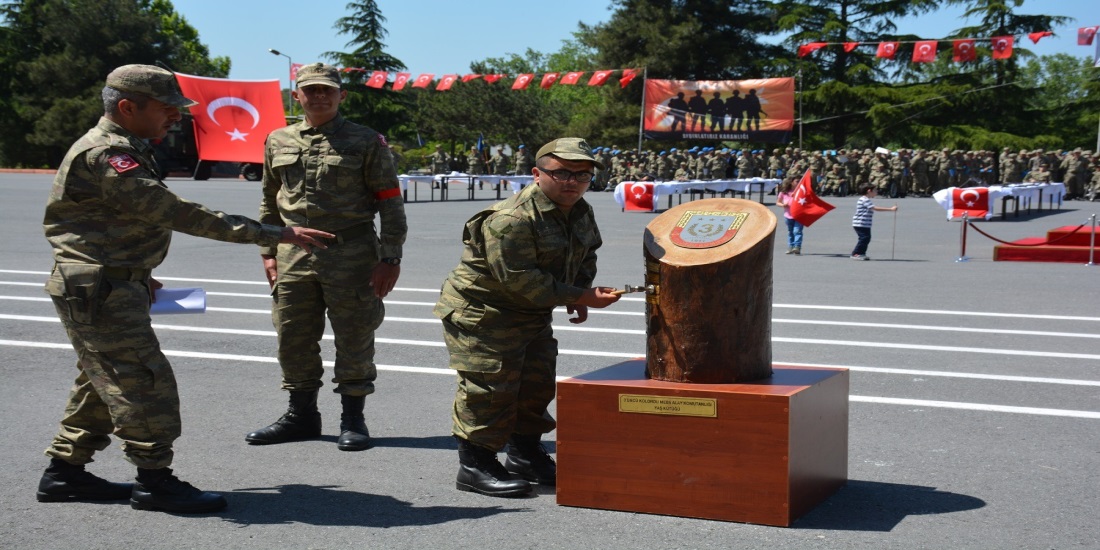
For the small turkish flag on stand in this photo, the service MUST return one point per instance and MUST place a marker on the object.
(925, 51)
(377, 79)
(638, 196)
(887, 50)
(599, 78)
(1002, 46)
(400, 81)
(233, 117)
(806, 206)
(522, 81)
(963, 51)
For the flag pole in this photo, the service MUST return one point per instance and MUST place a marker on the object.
(894, 237)
(800, 109)
(641, 117)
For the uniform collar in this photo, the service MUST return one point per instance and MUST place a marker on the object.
(107, 125)
(329, 127)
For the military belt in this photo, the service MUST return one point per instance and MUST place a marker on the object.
(127, 273)
(350, 234)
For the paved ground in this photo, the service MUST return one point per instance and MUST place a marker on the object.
(975, 398)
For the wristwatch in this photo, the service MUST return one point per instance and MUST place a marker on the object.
(392, 261)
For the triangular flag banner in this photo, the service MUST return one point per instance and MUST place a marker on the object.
(1002, 46)
(446, 82)
(400, 81)
(807, 49)
(493, 78)
(925, 51)
(571, 78)
(599, 78)
(1036, 36)
(377, 79)
(628, 75)
(964, 51)
(887, 50)
(522, 81)
(849, 46)
(548, 80)
(469, 77)
(423, 80)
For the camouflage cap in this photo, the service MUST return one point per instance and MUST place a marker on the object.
(318, 73)
(148, 80)
(569, 149)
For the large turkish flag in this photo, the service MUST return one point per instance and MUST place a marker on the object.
(233, 117)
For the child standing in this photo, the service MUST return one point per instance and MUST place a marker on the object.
(861, 221)
(794, 228)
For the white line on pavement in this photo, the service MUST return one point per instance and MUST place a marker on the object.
(449, 372)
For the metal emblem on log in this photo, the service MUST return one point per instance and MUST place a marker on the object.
(706, 229)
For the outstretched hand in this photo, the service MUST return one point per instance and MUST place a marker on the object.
(305, 237)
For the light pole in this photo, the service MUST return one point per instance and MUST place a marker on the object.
(289, 70)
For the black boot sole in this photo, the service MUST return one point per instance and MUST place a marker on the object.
(507, 493)
(48, 497)
(276, 442)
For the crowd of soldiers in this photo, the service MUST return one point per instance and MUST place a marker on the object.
(896, 174)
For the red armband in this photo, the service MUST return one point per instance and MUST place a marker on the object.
(387, 194)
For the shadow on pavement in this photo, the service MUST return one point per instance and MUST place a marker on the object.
(328, 505)
(875, 506)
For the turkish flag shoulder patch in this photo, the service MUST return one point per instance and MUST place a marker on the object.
(123, 163)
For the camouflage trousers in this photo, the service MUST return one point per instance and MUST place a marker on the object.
(124, 386)
(506, 375)
(298, 312)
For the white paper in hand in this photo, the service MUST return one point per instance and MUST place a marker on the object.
(179, 300)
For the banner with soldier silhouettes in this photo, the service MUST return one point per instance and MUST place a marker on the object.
(760, 110)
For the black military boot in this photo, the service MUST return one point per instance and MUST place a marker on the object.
(301, 421)
(529, 460)
(158, 489)
(63, 481)
(480, 472)
(354, 435)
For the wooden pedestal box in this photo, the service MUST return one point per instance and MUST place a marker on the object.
(763, 452)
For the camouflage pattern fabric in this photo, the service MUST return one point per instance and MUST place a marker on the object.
(522, 258)
(335, 178)
(108, 207)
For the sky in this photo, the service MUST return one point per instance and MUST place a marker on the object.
(445, 36)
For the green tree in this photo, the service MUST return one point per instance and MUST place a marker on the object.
(58, 53)
(382, 109)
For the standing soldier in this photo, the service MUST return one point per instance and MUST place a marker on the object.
(475, 165)
(348, 280)
(1009, 168)
(664, 167)
(717, 109)
(745, 165)
(1076, 174)
(735, 108)
(524, 257)
(774, 164)
(524, 162)
(945, 170)
(697, 106)
(110, 219)
(499, 161)
(439, 161)
(920, 174)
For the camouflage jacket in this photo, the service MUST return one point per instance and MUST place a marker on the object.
(332, 178)
(524, 256)
(108, 206)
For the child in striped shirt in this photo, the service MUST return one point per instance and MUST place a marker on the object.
(861, 221)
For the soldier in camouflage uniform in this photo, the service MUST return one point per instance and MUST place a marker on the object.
(524, 162)
(836, 182)
(475, 165)
(523, 257)
(329, 173)
(109, 220)
(439, 161)
(1040, 174)
(919, 166)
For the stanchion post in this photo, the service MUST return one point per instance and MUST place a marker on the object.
(962, 240)
(1092, 241)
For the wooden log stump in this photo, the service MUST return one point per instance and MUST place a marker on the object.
(709, 308)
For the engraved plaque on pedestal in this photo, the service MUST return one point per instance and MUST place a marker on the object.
(708, 314)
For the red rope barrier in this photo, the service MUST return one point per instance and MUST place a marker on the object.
(1079, 227)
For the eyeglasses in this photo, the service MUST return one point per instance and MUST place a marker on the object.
(566, 175)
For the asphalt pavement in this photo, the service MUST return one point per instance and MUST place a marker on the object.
(974, 408)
